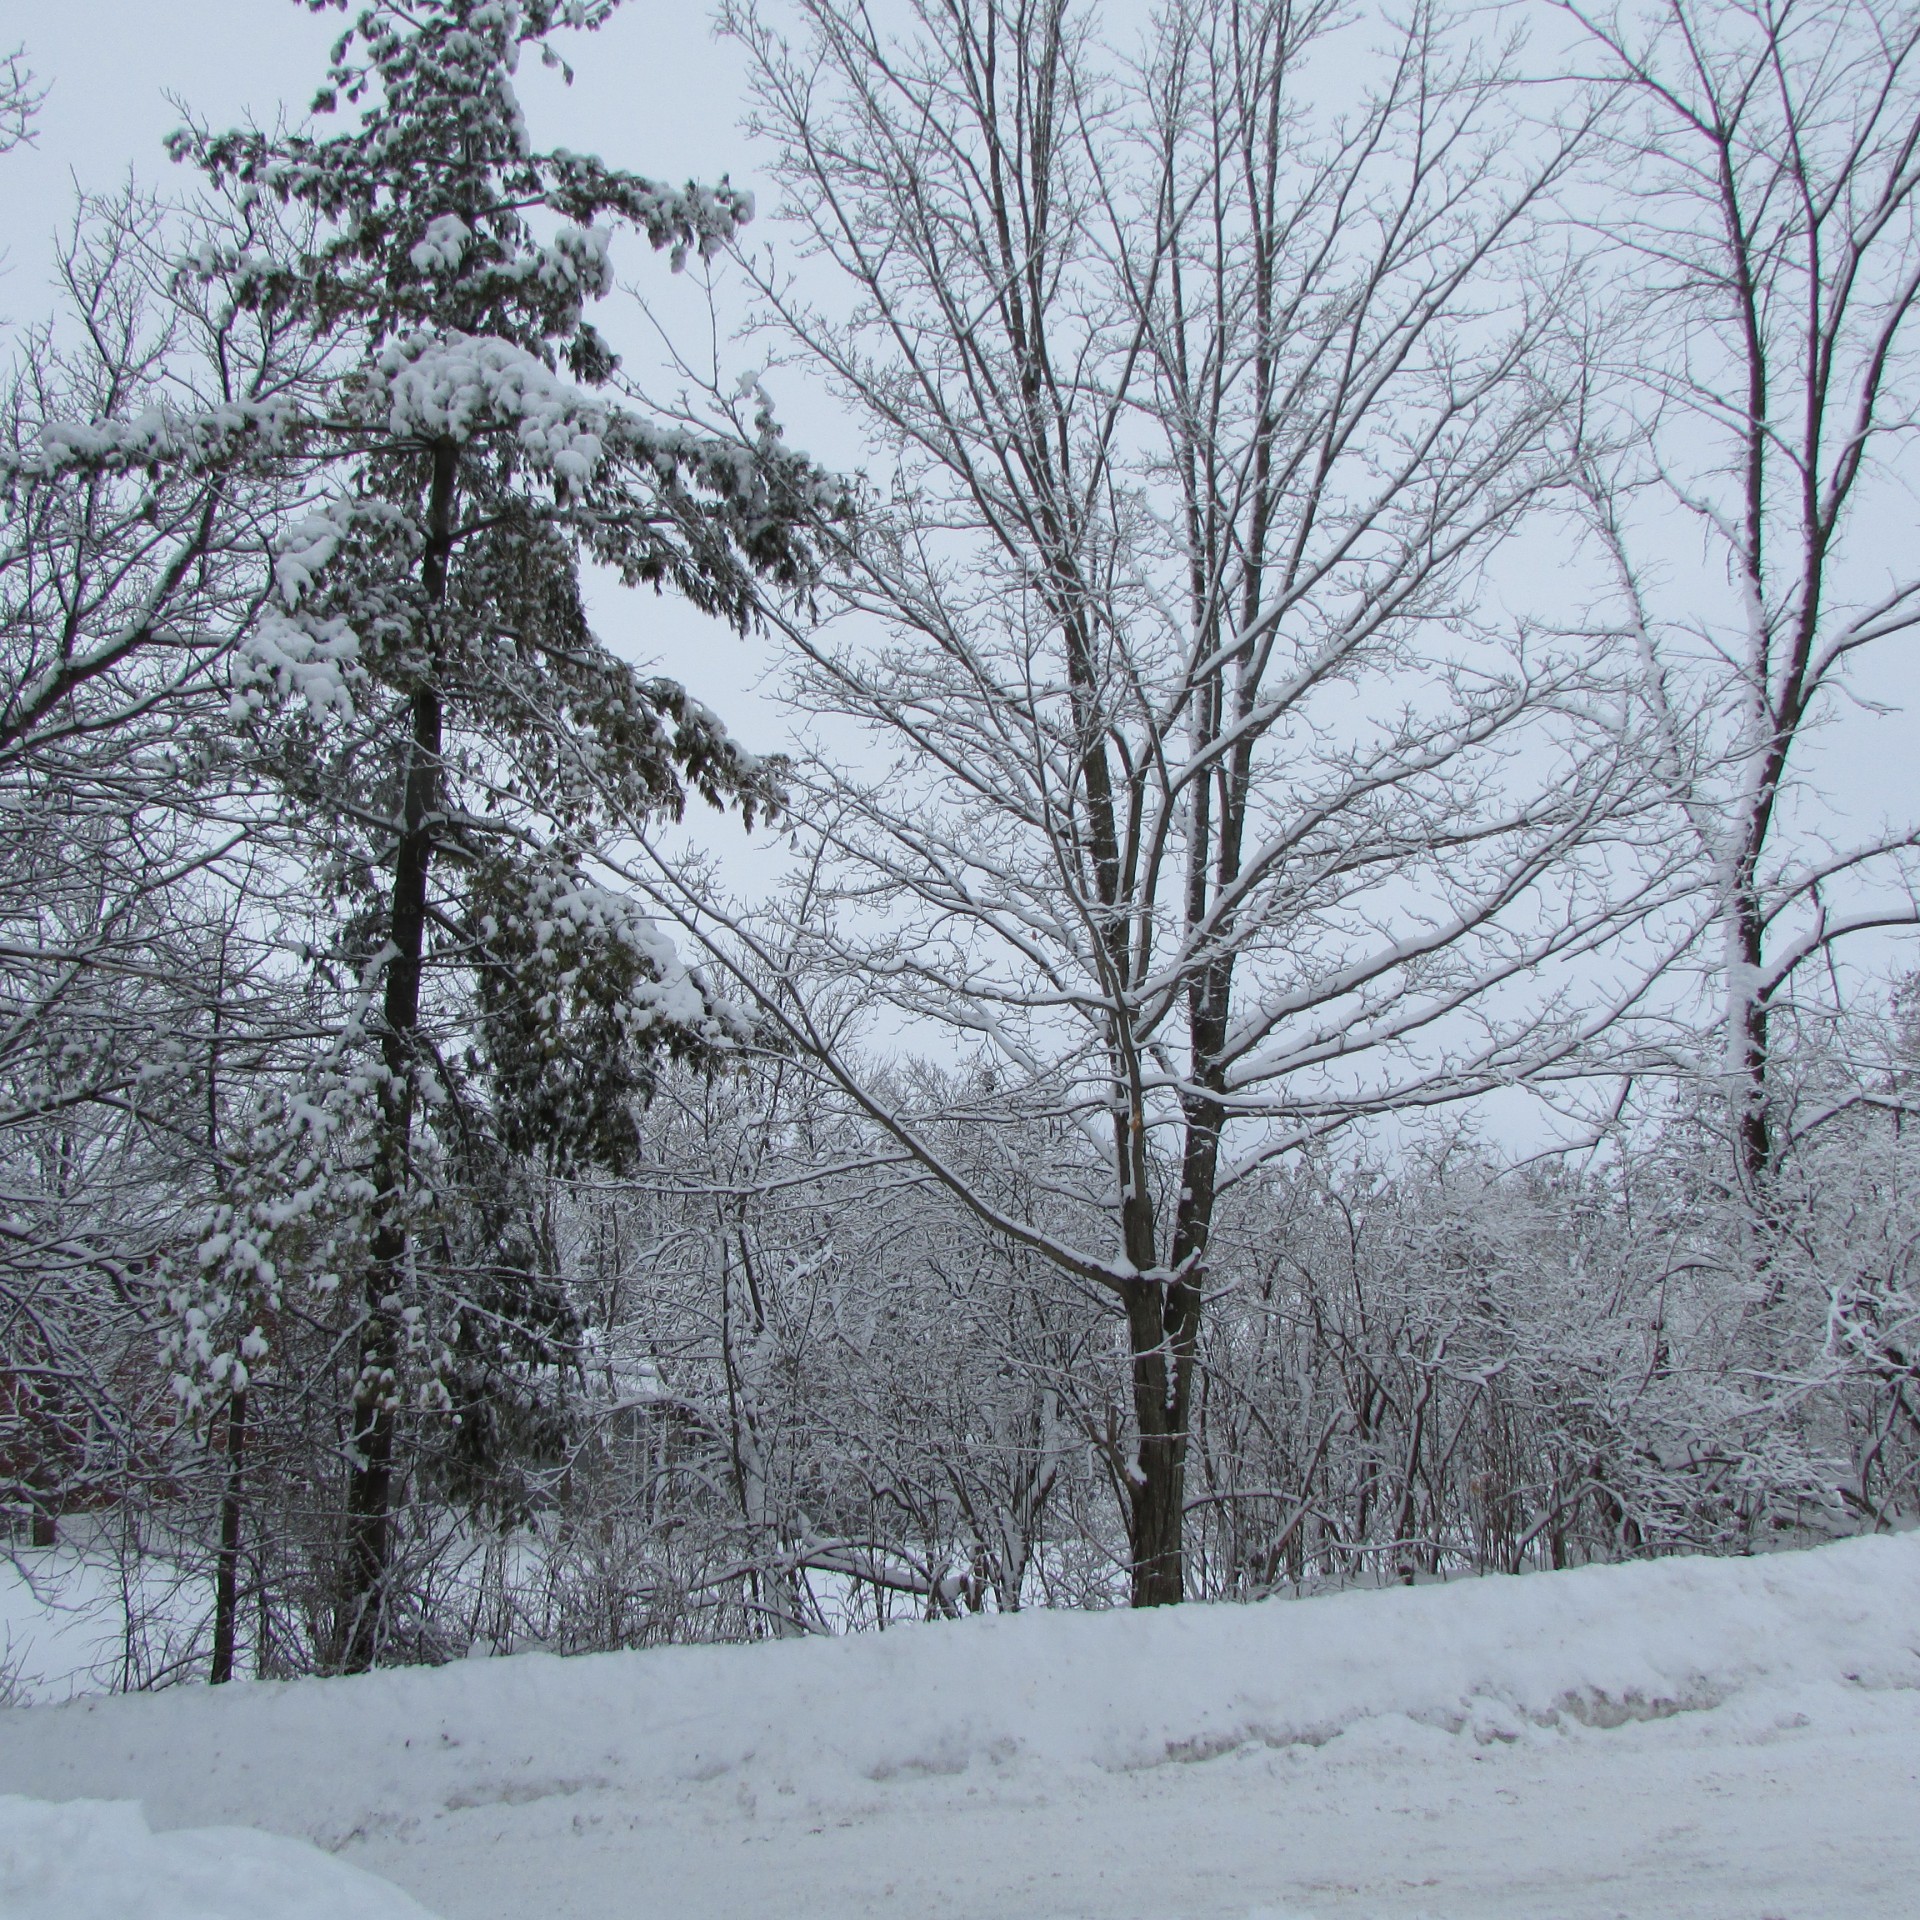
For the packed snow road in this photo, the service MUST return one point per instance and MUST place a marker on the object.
(1689, 1740)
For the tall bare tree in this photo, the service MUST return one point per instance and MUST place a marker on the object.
(1759, 210)
(1222, 808)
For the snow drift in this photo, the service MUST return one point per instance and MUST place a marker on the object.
(97, 1860)
(827, 1732)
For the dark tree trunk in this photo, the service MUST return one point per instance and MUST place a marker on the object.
(1753, 1122)
(376, 1387)
(1163, 1321)
(226, 1573)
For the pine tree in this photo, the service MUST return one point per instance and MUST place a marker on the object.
(450, 740)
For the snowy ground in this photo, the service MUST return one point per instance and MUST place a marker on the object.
(1735, 1739)
(98, 1860)
(63, 1614)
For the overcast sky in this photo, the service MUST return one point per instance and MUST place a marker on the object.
(657, 93)
(654, 91)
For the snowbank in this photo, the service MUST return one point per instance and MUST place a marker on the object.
(1114, 1692)
(97, 1860)
(1547, 1701)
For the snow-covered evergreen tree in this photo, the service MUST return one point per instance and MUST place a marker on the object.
(422, 683)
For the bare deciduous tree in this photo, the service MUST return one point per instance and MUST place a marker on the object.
(1760, 207)
(1225, 809)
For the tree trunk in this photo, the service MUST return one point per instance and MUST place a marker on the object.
(376, 1387)
(226, 1574)
(1163, 1323)
(1747, 1042)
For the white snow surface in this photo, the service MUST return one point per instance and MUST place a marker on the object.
(98, 1860)
(1690, 1739)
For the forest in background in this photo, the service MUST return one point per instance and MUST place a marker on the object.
(1372, 519)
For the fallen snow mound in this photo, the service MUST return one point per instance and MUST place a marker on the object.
(447, 1777)
(97, 1860)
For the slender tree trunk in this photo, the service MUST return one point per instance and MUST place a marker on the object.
(376, 1388)
(1753, 1124)
(226, 1563)
(226, 1575)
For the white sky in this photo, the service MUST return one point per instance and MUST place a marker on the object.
(655, 92)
